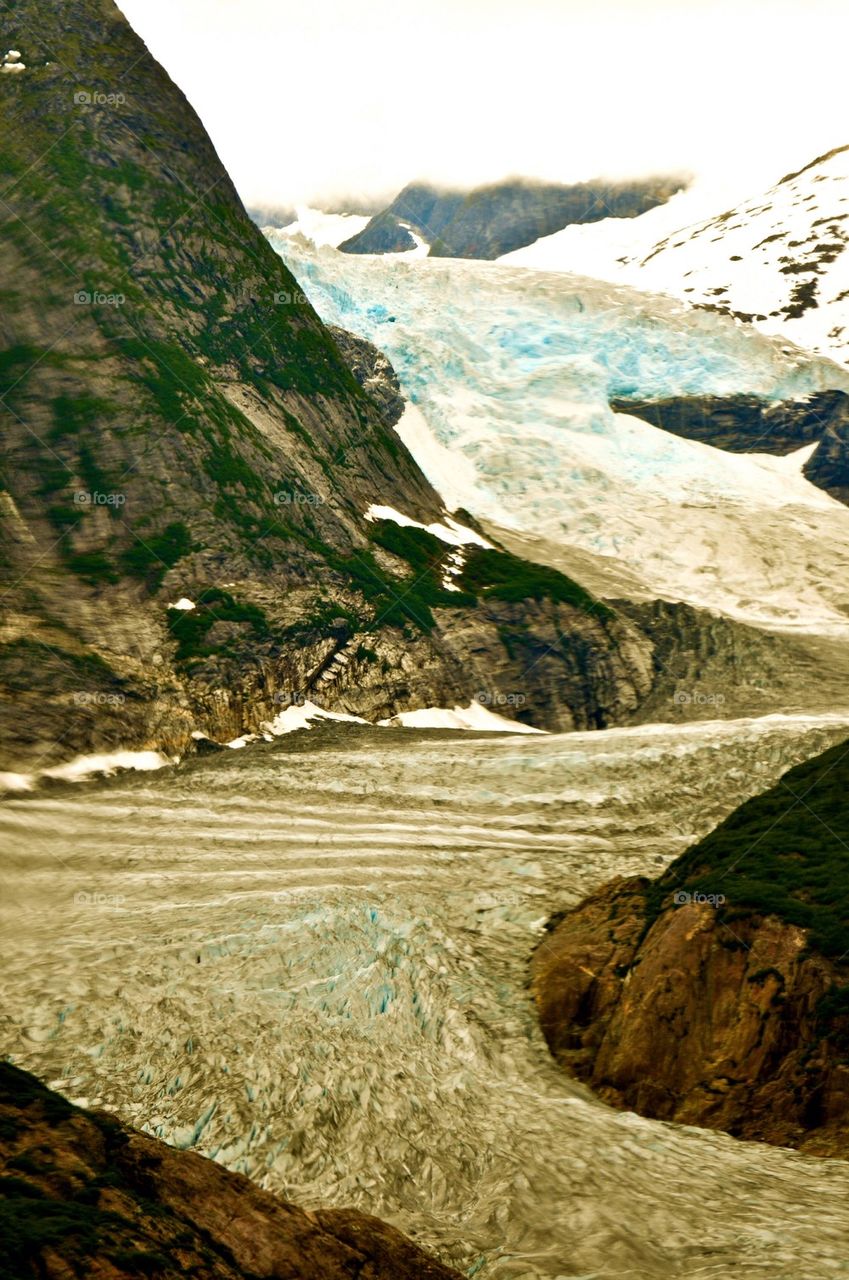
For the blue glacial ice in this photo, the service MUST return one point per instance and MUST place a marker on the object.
(509, 374)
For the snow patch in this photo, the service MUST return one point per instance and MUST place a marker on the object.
(456, 535)
(183, 604)
(301, 717)
(475, 717)
(105, 765)
(780, 257)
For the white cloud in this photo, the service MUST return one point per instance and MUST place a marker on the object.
(339, 96)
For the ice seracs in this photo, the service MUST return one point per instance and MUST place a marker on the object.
(510, 373)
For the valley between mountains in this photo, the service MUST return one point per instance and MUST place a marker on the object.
(424, 646)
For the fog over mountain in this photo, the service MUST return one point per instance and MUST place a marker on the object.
(475, 92)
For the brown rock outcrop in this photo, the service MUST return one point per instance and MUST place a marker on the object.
(82, 1195)
(695, 1018)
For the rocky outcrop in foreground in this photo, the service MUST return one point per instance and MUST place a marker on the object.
(82, 1195)
(718, 994)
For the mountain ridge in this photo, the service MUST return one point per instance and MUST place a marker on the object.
(178, 424)
(498, 218)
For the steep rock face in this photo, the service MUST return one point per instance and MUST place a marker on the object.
(749, 424)
(706, 667)
(177, 423)
(421, 205)
(373, 373)
(385, 233)
(83, 1195)
(501, 217)
(716, 995)
(698, 1021)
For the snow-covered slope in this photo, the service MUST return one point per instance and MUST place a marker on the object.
(779, 260)
(512, 372)
(320, 227)
(601, 249)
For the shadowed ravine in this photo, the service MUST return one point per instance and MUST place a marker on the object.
(309, 961)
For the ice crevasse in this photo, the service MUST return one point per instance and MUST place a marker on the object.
(510, 373)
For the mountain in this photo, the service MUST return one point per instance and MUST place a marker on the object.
(496, 219)
(83, 1195)
(718, 994)
(776, 260)
(189, 464)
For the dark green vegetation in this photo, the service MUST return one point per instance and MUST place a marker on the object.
(499, 575)
(406, 599)
(191, 627)
(485, 575)
(785, 853)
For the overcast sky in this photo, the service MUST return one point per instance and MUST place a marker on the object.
(304, 98)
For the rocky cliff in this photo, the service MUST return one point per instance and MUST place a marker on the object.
(496, 219)
(83, 1195)
(718, 995)
(180, 428)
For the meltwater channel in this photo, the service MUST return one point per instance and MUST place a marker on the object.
(309, 961)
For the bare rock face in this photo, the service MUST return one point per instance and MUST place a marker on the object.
(687, 1005)
(373, 372)
(82, 1195)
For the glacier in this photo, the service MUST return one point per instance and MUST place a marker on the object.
(309, 963)
(509, 373)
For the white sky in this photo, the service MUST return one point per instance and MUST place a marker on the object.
(305, 98)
